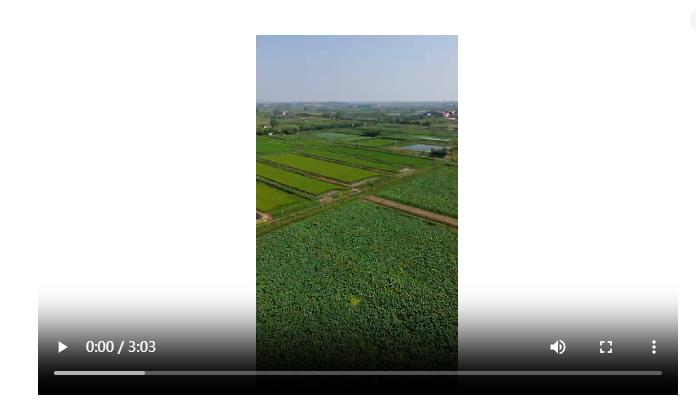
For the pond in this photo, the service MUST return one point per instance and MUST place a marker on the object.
(422, 147)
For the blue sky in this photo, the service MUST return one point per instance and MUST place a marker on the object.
(356, 68)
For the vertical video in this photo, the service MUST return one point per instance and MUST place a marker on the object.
(356, 203)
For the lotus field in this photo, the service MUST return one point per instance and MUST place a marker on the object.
(435, 191)
(360, 287)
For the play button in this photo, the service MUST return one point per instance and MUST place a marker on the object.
(61, 347)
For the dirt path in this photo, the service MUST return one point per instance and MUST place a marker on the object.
(448, 221)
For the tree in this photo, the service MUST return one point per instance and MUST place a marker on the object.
(372, 132)
(438, 153)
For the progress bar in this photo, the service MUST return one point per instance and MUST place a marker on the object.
(98, 372)
(356, 373)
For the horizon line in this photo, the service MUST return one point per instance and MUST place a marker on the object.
(360, 101)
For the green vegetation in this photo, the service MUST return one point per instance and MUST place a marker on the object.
(265, 145)
(371, 119)
(332, 135)
(372, 132)
(269, 198)
(435, 191)
(342, 283)
(385, 156)
(294, 180)
(438, 153)
(376, 142)
(332, 170)
(361, 287)
(302, 140)
(353, 160)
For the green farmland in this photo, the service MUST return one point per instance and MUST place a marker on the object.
(376, 142)
(435, 191)
(264, 145)
(353, 274)
(333, 135)
(294, 180)
(269, 198)
(360, 287)
(331, 170)
(384, 157)
(350, 159)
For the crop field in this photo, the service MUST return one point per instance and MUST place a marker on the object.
(353, 160)
(435, 191)
(269, 198)
(331, 170)
(384, 157)
(376, 142)
(332, 135)
(444, 132)
(265, 145)
(360, 287)
(303, 140)
(294, 180)
(344, 279)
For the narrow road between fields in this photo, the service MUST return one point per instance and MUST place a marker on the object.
(448, 221)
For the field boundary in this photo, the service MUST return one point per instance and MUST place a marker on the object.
(334, 170)
(416, 211)
(336, 160)
(295, 191)
(302, 173)
(312, 175)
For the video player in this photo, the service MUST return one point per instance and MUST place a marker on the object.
(477, 198)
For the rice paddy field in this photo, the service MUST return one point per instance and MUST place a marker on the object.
(376, 142)
(265, 145)
(332, 170)
(333, 135)
(353, 160)
(435, 191)
(269, 199)
(294, 180)
(359, 287)
(384, 156)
